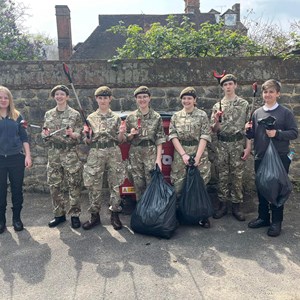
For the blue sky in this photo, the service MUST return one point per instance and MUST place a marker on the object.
(84, 14)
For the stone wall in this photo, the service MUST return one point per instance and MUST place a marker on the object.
(30, 83)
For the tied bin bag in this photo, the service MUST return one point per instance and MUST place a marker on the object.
(271, 179)
(194, 204)
(155, 212)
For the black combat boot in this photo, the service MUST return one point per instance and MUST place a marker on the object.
(94, 221)
(115, 220)
(17, 223)
(236, 212)
(2, 222)
(258, 222)
(205, 223)
(277, 218)
(221, 211)
(75, 222)
(275, 229)
(56, 221)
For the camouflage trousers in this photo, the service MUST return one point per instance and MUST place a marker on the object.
(64, 173)
(230, 165)
(178, 168)
(142, 161)
(99, 161)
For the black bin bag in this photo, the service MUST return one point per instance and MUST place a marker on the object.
(194, 203)
(155, 212)
(271, 178)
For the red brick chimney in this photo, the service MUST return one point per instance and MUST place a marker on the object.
(192, 6)
(64, 35)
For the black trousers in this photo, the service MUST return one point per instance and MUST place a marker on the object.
(12, 168)
(264, 206)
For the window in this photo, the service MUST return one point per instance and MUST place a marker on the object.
(230, 19)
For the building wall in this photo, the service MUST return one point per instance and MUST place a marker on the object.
(31, 82)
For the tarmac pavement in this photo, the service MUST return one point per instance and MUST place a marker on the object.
(227, 261)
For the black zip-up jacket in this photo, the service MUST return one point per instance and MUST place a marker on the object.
(12, 136)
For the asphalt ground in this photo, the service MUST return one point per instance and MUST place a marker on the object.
(227, 261)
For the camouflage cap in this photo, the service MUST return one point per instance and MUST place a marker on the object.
(103, 91)
(60, 87)
(188, 91)
(228, 77)
(142, 90)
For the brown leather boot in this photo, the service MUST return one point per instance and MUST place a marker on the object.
(115, 220)
(237, 213)
(221, 211)
(94, 221)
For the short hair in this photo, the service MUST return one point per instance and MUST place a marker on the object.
(271, 83)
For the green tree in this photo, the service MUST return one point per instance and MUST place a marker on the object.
(15, 44)
(183, 39)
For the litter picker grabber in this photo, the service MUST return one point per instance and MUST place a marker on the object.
(249, 130)
(219, 77)
(82, 113)
(25, 125)
(54, 132)
(254, 89)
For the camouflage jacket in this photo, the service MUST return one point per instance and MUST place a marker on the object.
(235, 115)
(55, 119)
(151, 127)
(105, 126)
(190, 126)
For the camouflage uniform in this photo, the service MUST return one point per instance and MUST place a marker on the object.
(230, 148)
(63, 165)
(104, 155)
(142, 153)
(189, 128)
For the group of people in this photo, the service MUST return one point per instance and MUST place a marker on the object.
(190, 130)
